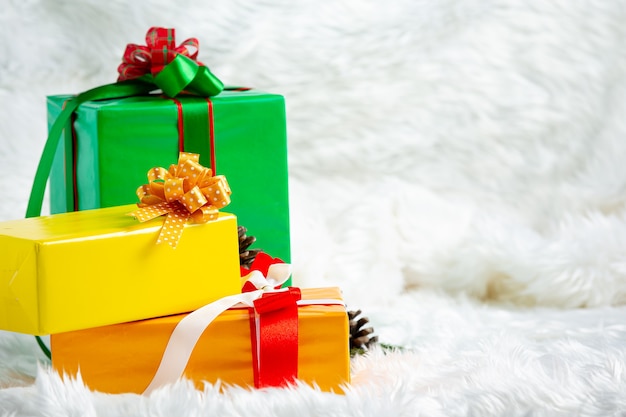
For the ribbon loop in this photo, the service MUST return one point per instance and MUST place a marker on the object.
(217, 191)
(193, 199)
(264, 273)
(174, 192)
(172, 68)
(204, 214)
(173, 189)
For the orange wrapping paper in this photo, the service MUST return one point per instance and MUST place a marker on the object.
(124, 357)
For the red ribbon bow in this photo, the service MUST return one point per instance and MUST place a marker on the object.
(159, 51)
(261, 263)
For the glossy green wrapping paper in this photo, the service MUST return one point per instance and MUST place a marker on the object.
(115, 142)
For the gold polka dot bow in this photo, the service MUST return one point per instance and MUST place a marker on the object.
(186, 190)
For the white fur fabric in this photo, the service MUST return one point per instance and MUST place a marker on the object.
(456, 166)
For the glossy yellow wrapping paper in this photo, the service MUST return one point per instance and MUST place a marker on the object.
(124, 357)
(98, 267)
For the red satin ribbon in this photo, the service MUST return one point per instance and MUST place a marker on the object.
(181, 126)
(274, 336)
(273, 329)
(211, 135)
(181, 130)
(160, 50)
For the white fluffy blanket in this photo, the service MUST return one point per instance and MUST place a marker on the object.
(457, 167)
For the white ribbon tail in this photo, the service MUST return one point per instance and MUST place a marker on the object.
(186, 334)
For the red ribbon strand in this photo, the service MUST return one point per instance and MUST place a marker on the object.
(274, 335)
(273, 328)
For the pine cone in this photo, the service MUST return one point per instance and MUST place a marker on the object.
(246, 256)
(360, 337)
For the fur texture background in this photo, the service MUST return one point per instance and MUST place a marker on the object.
(456, 166)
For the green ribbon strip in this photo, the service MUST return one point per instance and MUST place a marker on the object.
(109, 91)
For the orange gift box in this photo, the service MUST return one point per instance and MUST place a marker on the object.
(124, 357)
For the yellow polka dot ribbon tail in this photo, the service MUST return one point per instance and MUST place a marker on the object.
(186, 190)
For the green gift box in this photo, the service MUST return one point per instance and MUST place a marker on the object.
(109, 145)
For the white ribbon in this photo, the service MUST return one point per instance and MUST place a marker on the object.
(186, 334)
(188, 331)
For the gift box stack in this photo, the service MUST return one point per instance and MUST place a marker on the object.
(137, 276)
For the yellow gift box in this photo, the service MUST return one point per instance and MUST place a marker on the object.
(124, 357)
(98, 267)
